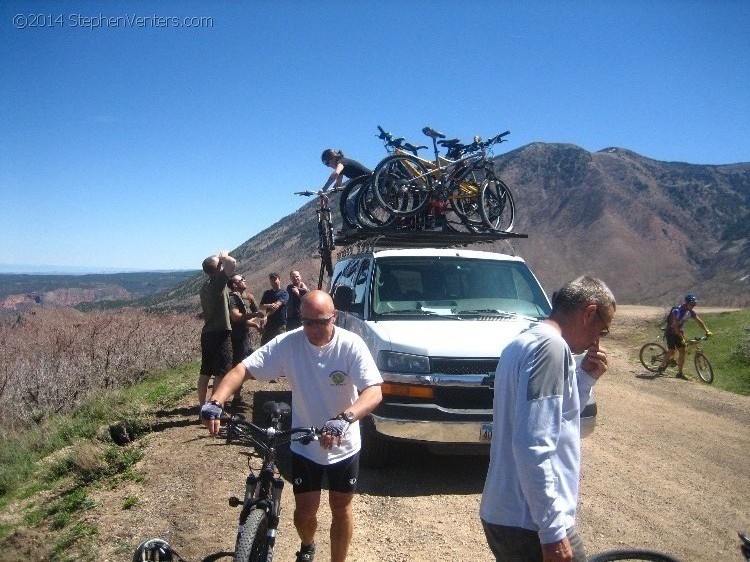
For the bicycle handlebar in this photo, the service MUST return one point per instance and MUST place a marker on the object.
(271, 433)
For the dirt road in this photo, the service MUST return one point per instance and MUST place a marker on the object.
(667, 468)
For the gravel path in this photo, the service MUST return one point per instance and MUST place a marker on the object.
(666, 468)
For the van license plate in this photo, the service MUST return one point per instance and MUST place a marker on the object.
(485, 434)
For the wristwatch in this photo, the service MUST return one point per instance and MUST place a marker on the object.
(346, 416)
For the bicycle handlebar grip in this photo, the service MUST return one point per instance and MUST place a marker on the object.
(501, 135)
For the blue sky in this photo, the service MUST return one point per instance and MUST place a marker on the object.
(137, 144)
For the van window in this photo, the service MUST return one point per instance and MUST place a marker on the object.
(455, 286)
(360, 284)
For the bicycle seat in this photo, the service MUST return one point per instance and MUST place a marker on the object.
(411, 148)
(432, 133)
(450, 143)
(276, 408)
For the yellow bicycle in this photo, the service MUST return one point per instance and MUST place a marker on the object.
(652, 354)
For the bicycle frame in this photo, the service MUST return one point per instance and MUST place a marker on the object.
(445, 171)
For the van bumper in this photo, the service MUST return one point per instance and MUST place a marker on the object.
(456, 432)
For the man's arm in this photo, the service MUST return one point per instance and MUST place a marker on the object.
(228, 262)
(702, 324)
(230, 384)
(365, 403)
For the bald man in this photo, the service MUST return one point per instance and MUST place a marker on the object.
(335, 383)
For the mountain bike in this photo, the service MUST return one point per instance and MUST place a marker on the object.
(325, 233)
(652, 354)
(405, 184)
(261, 505)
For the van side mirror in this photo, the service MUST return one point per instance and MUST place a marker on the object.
(343, 300)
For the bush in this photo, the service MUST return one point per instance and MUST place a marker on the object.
(51, 359)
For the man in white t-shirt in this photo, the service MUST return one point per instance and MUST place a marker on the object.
(335, 383)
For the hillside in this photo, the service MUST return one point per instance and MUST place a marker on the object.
(653, 230)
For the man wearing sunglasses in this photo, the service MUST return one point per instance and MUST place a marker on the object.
(531, 493)
(335, 383)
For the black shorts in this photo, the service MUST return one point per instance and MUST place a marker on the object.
(240, 350)
(674, 341)
(307, 476)
(216, 353)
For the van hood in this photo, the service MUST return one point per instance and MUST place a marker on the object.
(449, 338)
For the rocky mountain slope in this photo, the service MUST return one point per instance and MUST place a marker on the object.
(653, 230)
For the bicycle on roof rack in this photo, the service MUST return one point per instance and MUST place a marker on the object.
(325, 233)
(261, 505)
(460, 190)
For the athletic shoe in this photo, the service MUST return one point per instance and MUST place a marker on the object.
(306, 553)
(681, 376)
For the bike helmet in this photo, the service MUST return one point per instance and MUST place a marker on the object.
(153, 550)
(690, 297)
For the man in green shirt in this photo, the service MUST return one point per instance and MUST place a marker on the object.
(216, 336)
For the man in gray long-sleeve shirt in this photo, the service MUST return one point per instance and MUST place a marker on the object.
(531, 492)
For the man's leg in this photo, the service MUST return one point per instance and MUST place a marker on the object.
(680, 358)
(342, 524)
(306, 515)
(202, 389)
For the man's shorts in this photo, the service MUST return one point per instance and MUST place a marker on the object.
(674, 341)
(216, 353)
(240, 350)
(522, 545)
(307, 476)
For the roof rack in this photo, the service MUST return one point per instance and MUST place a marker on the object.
(360, 241)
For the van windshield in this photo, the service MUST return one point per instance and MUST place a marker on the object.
(455, 286)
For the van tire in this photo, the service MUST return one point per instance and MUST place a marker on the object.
(375, 449)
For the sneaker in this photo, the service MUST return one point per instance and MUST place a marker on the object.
(306, 553)
(660, 370)
(681, 376)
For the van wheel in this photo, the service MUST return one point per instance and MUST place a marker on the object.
(375, 448)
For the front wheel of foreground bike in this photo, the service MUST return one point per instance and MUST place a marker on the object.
(402, 185)
(636, 554)
(651, 355)
(496, 205)
(702, 365)
(252, 538)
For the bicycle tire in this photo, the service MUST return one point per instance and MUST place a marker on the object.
(347, 221)
(651, 355)
(402, 185)
(464, 199)
(632, 554)
(370, 215)
(252, 538)
(496, 205)
(703, 367)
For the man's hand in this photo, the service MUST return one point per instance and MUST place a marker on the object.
(559, 551)
(595, 361)
(709, 333)
(210, 414)
(333, 431)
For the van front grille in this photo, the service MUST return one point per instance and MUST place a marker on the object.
(462, 366)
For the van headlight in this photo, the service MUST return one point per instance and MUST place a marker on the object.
(403, 362)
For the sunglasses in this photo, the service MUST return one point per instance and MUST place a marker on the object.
(316, 321)
(605, 330)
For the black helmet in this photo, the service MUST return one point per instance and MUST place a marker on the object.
(690, 297)
(153, 550)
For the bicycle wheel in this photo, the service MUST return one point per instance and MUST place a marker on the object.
(402, 185)
(496, 205)
(347, 204)
(704, 368)
(326, 244)
(252, 538)
(370, 214)
(632, 554)
(651, 355)
(464, 198)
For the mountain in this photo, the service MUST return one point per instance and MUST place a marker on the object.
(20, 292)
(652, 230)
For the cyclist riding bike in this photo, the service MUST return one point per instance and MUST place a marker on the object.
(345, 168)
(674, 332)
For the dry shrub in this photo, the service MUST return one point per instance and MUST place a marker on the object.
(51, 359)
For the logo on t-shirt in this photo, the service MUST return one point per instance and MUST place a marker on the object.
(337, 378)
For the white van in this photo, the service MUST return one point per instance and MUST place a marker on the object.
(436, 320)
